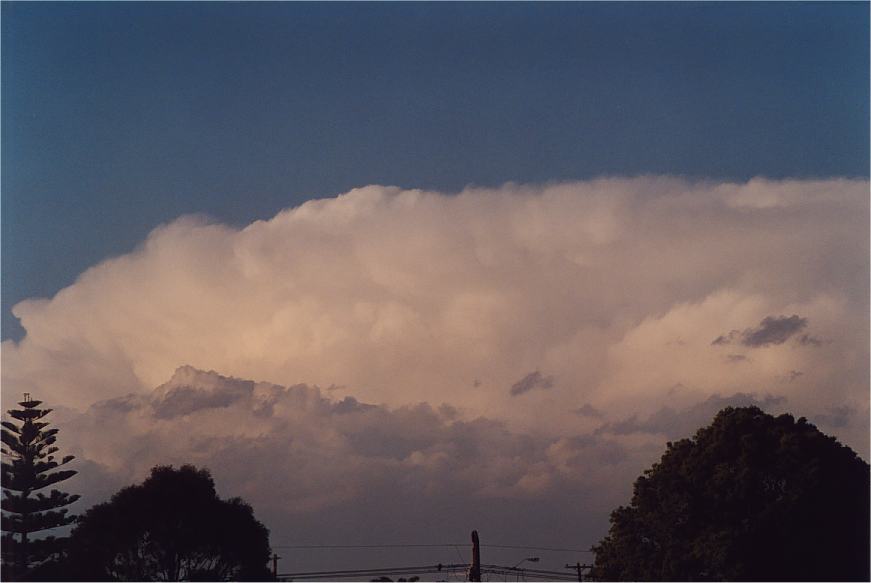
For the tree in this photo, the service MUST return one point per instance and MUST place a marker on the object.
(172, 527)
(750, 497)
(28, 464)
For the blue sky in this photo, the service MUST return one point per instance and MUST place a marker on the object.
(117, 117)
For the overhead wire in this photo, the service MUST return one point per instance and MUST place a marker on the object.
(455, 545)
(364, 546)
(487, 571)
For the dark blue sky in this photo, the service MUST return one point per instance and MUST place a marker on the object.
(119, 116)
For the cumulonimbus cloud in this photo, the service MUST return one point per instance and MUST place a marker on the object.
(381, 342)
(614, 287)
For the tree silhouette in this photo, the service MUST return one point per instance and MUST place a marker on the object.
(750, 497)
(28, 464)
(172, 527)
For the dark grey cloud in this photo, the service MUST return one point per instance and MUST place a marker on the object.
(318, 468)
(725, 338)
(808, 340)
(835, 417)
(591, 448)
(395, 468)
(534, 380)
(587, 410)
(772, 330)
(448, 412)
(676, 424)
(351, 405)
(735, 358)
(186, 400)
(122, 405)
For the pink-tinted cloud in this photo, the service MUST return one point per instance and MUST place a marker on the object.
(537, 344)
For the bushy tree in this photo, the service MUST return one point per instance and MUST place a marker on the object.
(751, 497)
(172, 527)
(29, 466)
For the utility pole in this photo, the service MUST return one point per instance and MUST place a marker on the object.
(579, 566)
(275, 558)
(475, 569)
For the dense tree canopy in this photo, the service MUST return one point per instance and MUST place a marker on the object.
(171, 527)
(29, 467)
(751, 497)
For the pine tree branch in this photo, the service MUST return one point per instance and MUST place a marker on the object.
(19, 504)
(37, 522)
(10, 426)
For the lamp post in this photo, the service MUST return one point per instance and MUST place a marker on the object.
(530, 559)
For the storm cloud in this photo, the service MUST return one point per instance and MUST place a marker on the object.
(389, 341)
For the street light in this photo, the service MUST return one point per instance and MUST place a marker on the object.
(530, 559)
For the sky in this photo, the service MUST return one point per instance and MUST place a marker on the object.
(397, 271)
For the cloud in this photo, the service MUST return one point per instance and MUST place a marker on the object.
(614, 286)
(320, 469)
(587, 410)
(179, 397)
(807, 340)
(834, 417)
(299, 456)
(675, 423)
(394, 298)
(724, 339)
(420, 313)
(533, 380)
(773, 330)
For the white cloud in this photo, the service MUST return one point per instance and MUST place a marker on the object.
(612, 289)
(417, 313)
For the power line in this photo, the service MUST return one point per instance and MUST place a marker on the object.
(428, 570)
(401, 546)
(538, 548)
(421, 570)
(363, 546)
(526, 572)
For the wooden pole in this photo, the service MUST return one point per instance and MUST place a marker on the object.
(275, 558)
(579, 568)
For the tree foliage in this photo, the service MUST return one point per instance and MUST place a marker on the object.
(29, 464)
(750, 497)
(172, 527)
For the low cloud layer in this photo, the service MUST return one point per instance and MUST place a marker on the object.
(299, 456)
(224, 422)
(679, 424)
(536, 325)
